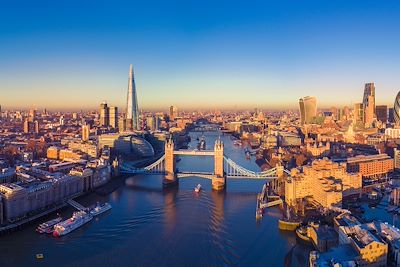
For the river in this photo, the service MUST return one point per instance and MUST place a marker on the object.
(149, 226)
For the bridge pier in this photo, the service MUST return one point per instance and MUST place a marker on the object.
(170, 178)
(218, 183)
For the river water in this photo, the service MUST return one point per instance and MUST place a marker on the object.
(149, 226)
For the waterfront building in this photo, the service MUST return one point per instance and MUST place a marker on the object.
(308, 109)
(132, 110)
(33, 193)
(126, 144)
(325, 181)
(85, 132)
(323, 237)
(396, 109)
(369, 104)
(381, 113)
(371, 166)
(104, 115)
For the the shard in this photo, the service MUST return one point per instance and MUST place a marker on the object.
(132, 112)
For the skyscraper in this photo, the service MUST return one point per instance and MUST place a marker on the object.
(358, 112)
(396, 109)
(104, 114)
(113, 117)
(173, 112)
(132, 111)
(369, 103)
(308, 109)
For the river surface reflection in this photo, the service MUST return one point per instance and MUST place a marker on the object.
(149, 226)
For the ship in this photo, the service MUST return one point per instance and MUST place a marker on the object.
(78, 219)
(100, 208)
(47, 227)
(201, 145)
(197, 189)
(259, 210)
(288, 224)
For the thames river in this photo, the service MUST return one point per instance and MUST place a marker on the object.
(149, 226)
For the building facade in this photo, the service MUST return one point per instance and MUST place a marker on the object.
(308, 109)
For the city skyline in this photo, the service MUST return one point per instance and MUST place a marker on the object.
(199, 56)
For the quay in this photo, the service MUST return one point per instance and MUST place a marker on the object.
(19, 224)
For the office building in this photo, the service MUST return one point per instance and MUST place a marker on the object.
(391, 115)
(104, 115)
(381, 113)
(173, 112)
(113, 117)
(358, 112)
(85, 132)
(369, 104)
(396, 109)
(132, 110)
(308, 109)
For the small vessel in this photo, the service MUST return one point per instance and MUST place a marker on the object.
(237, 142)
(47, 227)
(247, 152)
(202, 144)
(259, 210)
(197, 189)
(39, 256)
(78, 219)
(100, 208)
(302, 233)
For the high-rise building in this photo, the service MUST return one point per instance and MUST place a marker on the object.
(104, 114)
(32, 115)
(308, 109)
(381, 113)
(132, 110)
(173, 112)
(85, 132)
(113, 117)
(122, 124)
(36, 126)
(358, 112)
(391, 115)
(369, 103)
(31, 126)
(396, 109)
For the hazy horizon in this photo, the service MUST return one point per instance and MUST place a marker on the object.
(198, 55)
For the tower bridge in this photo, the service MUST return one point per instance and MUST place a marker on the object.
(224, 167)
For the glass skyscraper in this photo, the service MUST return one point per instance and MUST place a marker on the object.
(132, 111)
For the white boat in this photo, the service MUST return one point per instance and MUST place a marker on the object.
(78, 219)
(100, 208)
(197, 189)
(47, 227)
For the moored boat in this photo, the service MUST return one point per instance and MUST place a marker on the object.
(78, 219)
(47, 227)
(100, 208)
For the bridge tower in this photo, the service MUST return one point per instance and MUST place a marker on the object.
(219, 178)
(170, 175)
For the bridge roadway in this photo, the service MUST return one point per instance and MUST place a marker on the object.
(194, 152)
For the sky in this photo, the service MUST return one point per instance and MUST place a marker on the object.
(197, 54)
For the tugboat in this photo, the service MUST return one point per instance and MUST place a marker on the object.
(77, 220)
(197, 189)
(100, 208)
(47, 227)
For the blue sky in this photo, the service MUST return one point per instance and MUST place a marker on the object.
(228, 54)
